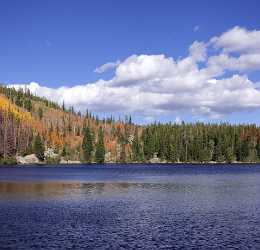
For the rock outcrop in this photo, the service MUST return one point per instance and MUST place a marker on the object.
(28, 159)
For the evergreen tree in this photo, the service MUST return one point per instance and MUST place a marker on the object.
(123, 154)
(172, 154)
(136, 147)
(87, 144)
(258, 149)
(28, 104)
(40, 113)
(63, 106)
(100, 148)
(38, 148)
(218, 153)
(149, 143)
(244, 150)
(229, 155)
(65, 152)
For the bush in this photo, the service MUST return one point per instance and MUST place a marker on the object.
(8, 161)
(51, 160)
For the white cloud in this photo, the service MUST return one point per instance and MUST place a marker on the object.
(143, 67)
(238, 39)
(154, 85)
(198, 51)
(245, 62)
(107, 66)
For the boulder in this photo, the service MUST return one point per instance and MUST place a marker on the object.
(28, 159)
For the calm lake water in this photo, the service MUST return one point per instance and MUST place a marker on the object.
(130, 207)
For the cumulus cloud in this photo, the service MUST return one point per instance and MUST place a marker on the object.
(245, 62)
(155, 85)
(198, 51)
(238, 39)
(107, 66)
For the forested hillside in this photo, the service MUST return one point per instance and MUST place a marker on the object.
(54, 133)
(60, 128)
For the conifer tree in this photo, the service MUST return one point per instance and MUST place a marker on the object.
(38, 148)
(229, 155)
(87, 144)
(123, 154)
(63, 105)
(136, 147)
(40, 113)
(172, 153)
(100, 148)
(258, 149)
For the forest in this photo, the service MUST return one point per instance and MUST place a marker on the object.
(56, 133)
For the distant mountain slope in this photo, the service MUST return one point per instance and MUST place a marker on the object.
(63, 129)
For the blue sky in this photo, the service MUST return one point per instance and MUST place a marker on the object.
(61, 43)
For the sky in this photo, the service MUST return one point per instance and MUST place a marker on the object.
(153, 60)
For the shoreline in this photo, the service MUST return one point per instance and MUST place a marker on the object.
(205, 164)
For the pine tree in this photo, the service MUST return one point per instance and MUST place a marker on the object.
(149, 143)
(28, 104)
(218, 153)
(123, 154)
(136, 147)
(229, 155)
(63, 106)
(87, 144)
(244, 150)
(258, 149)
(64, 152)
(38, 148)
(172, 154)
(100, 148)
(40, 113)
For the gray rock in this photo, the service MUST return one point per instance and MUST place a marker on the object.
(28, 159)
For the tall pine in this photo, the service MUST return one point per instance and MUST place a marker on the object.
(100, 148)
(87, 145)
(38, 148)
(136, 147)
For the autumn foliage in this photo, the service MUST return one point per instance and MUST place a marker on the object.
(23, 116)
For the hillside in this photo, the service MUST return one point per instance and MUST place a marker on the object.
(62, 129)
(34, 125)
(15, 129)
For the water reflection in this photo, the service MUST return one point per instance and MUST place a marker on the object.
(63, 189)
(42, 189)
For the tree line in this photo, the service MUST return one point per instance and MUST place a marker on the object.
(201, 142)
(23, 98)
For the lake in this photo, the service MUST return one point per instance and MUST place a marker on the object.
(130, 207)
